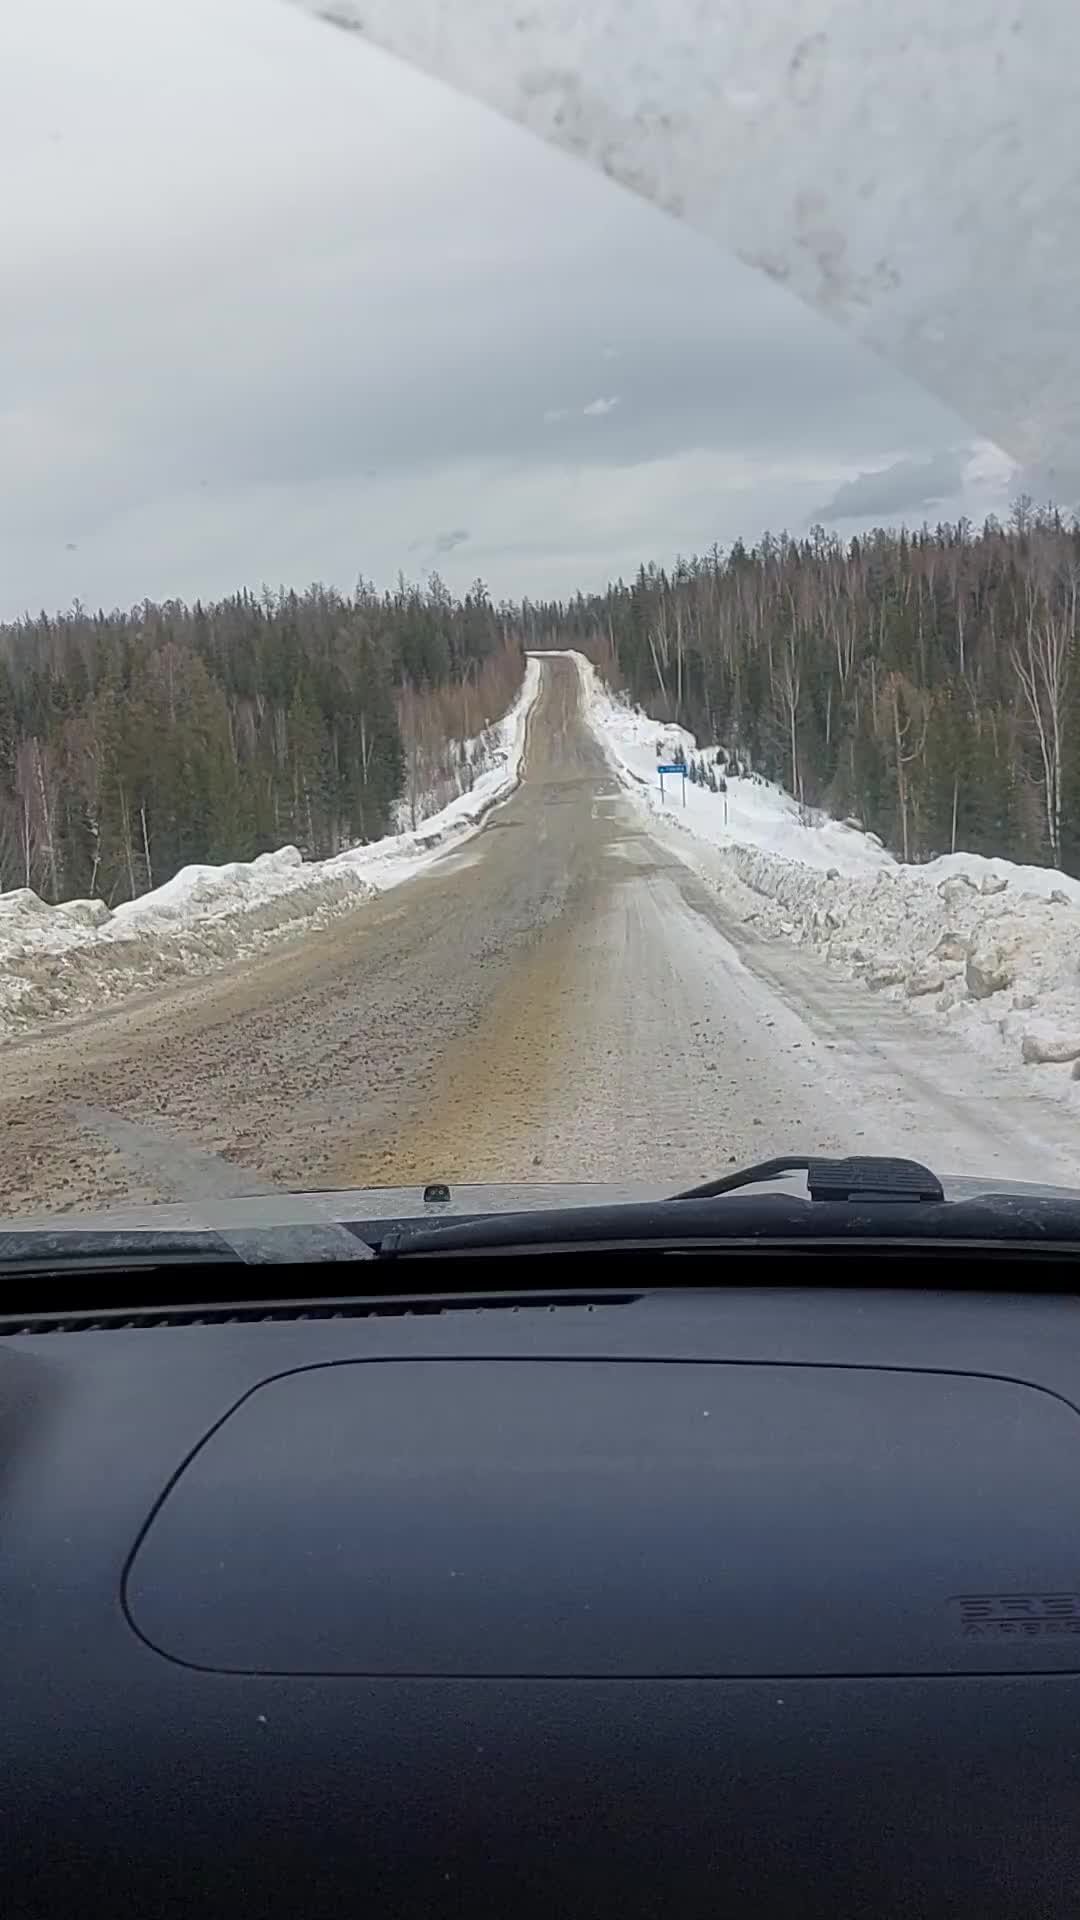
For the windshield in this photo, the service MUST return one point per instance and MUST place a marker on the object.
(539, 595)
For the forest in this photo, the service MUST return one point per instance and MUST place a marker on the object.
(925, 683)
(135, 743)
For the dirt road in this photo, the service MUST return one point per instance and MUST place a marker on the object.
(564, 998)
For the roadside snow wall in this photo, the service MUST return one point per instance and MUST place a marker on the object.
(990, 947)
(75, 957)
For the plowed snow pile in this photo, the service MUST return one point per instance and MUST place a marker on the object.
(987, 946)
(78, 955)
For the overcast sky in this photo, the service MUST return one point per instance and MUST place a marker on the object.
(275, 308)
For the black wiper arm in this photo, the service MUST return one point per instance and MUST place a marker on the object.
(756, 1221)
(864, 1197)
(858, 1177)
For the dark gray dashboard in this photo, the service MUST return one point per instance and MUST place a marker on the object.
(756, 1599)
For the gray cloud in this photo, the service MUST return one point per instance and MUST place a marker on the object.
(249, 358)
(441, 542)
(904, 487)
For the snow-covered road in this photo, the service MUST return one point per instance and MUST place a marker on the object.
(567, 997)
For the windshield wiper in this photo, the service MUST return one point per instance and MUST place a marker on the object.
(858, 1177)
(878, 1201)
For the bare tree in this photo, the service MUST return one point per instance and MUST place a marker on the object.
(1042, 659)
(789, 688)
(906, 714)
(34, 788)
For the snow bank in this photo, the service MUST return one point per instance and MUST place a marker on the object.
(73, 957)
(462, 765)
(987, 946)
(756, 814)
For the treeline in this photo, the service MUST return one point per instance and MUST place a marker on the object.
(133, 743)
(927, 683)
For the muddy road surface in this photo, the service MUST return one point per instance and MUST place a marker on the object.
(563, 998)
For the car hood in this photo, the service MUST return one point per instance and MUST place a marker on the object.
(305, 1208)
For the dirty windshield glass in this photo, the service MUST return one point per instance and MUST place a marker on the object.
(538, 615)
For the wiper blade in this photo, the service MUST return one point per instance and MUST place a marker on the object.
(757, 1221)
(857, 1177)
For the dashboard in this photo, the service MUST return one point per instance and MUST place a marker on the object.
(753, 1598)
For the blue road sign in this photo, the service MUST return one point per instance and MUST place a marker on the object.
(674, 766)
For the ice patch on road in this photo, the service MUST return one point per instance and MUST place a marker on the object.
(988, 947)
(72, 958)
